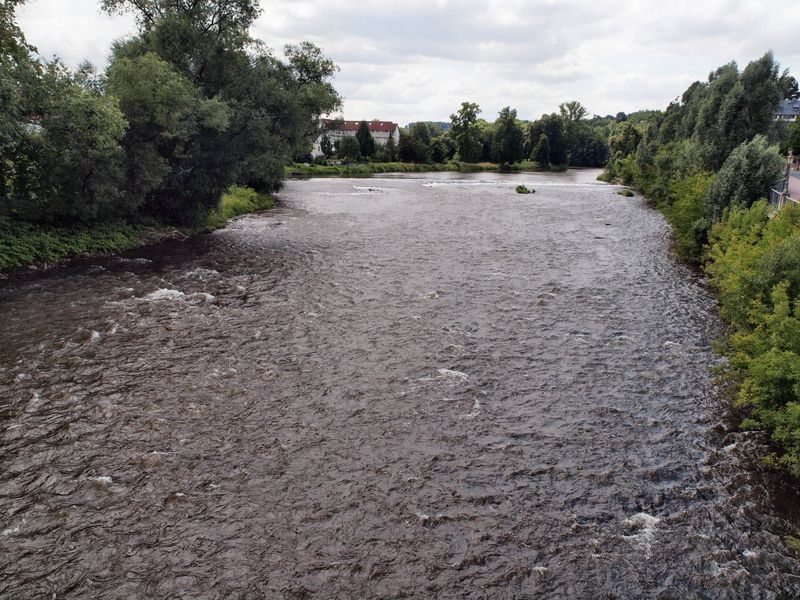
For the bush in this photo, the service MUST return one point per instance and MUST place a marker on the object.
(687, 215)
(755, 266)
(745, 176)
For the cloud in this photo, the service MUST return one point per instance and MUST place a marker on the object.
(419, 59)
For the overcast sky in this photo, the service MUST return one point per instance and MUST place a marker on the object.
(411, 60)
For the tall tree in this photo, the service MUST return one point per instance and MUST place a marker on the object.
(507, 142)
(553, 127)
(272, 107)
(365, 141)
(574, 111)
(788, 86)
(466, 133)
(541, 152)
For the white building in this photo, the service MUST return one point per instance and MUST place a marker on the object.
(335, 130)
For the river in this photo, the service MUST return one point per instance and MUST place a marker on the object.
(417, 386)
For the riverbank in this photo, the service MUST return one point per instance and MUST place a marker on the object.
(42, 246)
(304, 171)
(752, 261)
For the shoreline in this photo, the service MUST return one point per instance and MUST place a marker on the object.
(308, 171)
(27, 247)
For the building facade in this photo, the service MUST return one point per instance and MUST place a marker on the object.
(789, 110)
(336, 130)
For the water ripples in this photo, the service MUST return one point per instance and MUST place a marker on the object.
(418, 391)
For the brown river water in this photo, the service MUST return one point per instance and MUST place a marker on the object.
(420, 386)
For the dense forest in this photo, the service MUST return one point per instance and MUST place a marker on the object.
(708, 162)
(187, 107)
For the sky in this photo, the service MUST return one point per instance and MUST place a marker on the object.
(414, 60)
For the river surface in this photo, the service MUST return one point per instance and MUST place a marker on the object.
(418, 386)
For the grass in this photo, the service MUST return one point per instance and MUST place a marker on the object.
(23, 244)
(238, 201)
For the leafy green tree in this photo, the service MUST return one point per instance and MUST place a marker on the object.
(553, 127)
(466, 133)
(745, 177)
(81, 160)
(365, 141)
(437, 150)
(507, 144)
(166, 113)
(788, 86)
(794, 138)
(325, 145)
(391, 149)
(541, 153)
(272, 107)
(349, 149)
(415, 144)
(574, 111)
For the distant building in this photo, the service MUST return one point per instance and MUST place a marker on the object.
(335, 130)
(789, 110)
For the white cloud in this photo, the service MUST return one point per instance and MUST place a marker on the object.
(419, 59)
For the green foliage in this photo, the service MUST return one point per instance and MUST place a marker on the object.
(415, 144)
(626, 193)
(687, 215)
(326, 146)
(349, 148)
(27, 243)
(507, 144)
(466, 133)
(755, 266)
(745, 177)
(553, 127)
(366, 143)
(521, 189)
(238, 201)
(541, 152)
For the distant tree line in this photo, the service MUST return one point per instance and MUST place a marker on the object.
(556, 140)
(189, 106)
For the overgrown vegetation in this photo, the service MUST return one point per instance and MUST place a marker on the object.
(706, 161)
(23, 243)
(186, 108)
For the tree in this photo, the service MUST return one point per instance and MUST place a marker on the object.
(271, 108)
(325, 145)
(166, 113)
(553, 127)
(573, 111)
(788, 86)
(745, 177)
(349, 148)
(366, 143)
(80, 158)
(391, 149)
(465, 132)
(507, 142)
(415, 144)
(541, 153)
(437, 150)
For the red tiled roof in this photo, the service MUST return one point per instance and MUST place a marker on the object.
(374, 126)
